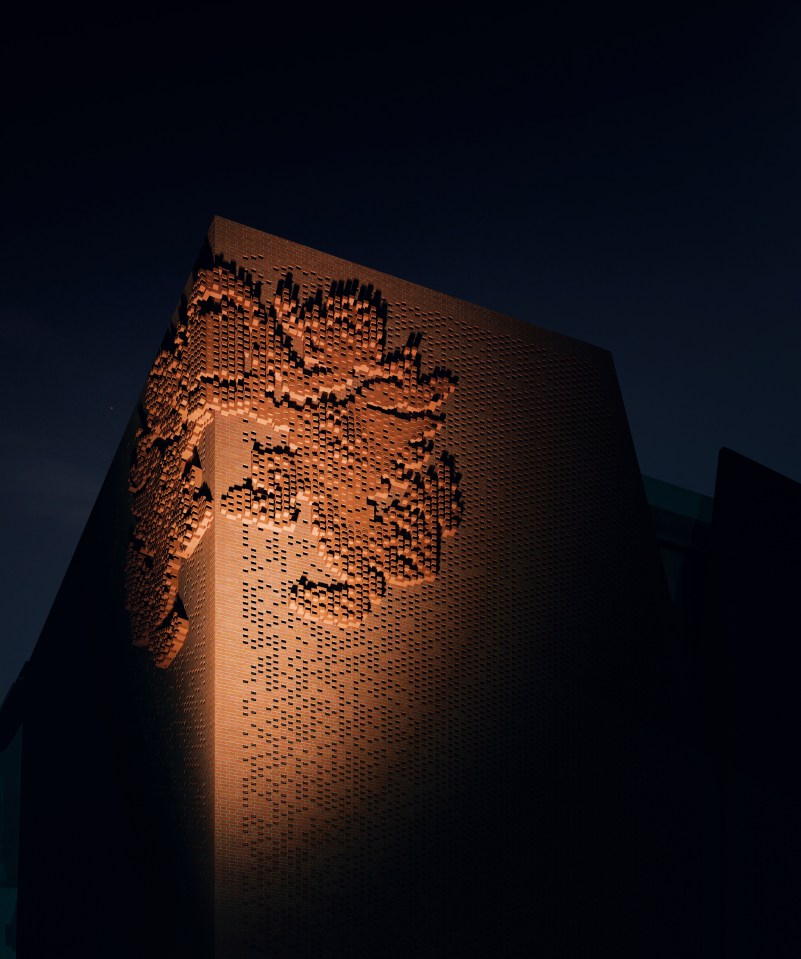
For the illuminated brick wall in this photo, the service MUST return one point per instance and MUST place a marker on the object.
(395, 633)
(384, 510)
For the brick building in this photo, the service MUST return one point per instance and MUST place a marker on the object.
(367, 648)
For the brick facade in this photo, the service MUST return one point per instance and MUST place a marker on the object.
(412, 635)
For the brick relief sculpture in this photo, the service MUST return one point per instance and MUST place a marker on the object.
(348, 433)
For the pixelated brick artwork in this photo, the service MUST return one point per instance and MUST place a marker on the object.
(345, 429)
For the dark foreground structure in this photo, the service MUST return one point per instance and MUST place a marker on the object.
(368, 649)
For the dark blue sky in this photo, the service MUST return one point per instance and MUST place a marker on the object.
(628, 178)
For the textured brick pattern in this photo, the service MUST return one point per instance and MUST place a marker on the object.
(171, 502)
(331, 742)
(394, 551)
(396, 571)
(352, 431)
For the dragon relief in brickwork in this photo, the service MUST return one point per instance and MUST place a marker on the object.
(348, 433)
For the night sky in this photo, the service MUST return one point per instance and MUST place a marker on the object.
(629, 178)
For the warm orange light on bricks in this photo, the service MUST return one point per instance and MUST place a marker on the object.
(342, 427)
